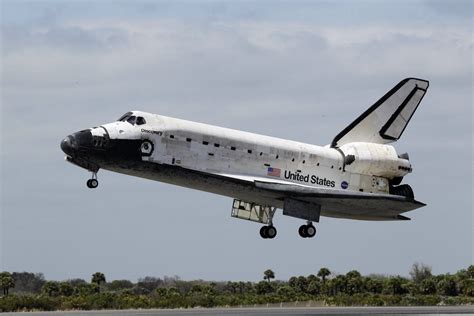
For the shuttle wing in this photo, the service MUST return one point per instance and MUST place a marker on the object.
(333, 202)
(385, 121)
(347, 204)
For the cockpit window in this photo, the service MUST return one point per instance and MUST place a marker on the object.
(124, 117)
(140, 120)
(132, 120)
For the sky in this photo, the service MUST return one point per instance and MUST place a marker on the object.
(299, 70)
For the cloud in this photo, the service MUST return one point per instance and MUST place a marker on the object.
(230, 55)
(185, 68)
(458, 9)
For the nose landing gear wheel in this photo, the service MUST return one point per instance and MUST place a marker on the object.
(268, 232)
(92, 183)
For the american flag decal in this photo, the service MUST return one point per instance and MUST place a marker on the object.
(273, 172)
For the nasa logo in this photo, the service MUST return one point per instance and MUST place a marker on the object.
(344, 185)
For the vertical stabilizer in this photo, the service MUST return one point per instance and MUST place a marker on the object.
(385, 121)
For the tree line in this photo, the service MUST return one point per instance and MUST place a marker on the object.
(29, 291)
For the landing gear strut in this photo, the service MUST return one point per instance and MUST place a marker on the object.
(307, 231)
(269, 231)
(93, 182)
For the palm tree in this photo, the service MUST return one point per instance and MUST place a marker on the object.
(323, 273)
(6, 282)
(354, 282)
(98, 278)
(268, 274)
(51, 288)
(470, 271)
(420, 272)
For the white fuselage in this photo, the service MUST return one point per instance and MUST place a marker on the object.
(252, 157)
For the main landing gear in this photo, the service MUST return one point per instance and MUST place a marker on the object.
(264, 214)
(307, 231)
(269, 231)
(93, 182)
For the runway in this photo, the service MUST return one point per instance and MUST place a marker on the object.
(431, 310)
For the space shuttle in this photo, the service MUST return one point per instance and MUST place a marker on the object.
(358, 175)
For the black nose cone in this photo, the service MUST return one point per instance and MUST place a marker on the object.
(68, 145)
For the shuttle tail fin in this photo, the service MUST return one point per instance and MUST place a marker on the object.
(385, 121)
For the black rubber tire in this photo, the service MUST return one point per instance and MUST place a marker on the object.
(310, 231)
(271, 232)
(263, 232)
(302, 231)
(92, 183)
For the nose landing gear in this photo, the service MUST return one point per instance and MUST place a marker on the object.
(307, 231)
(93, 182)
